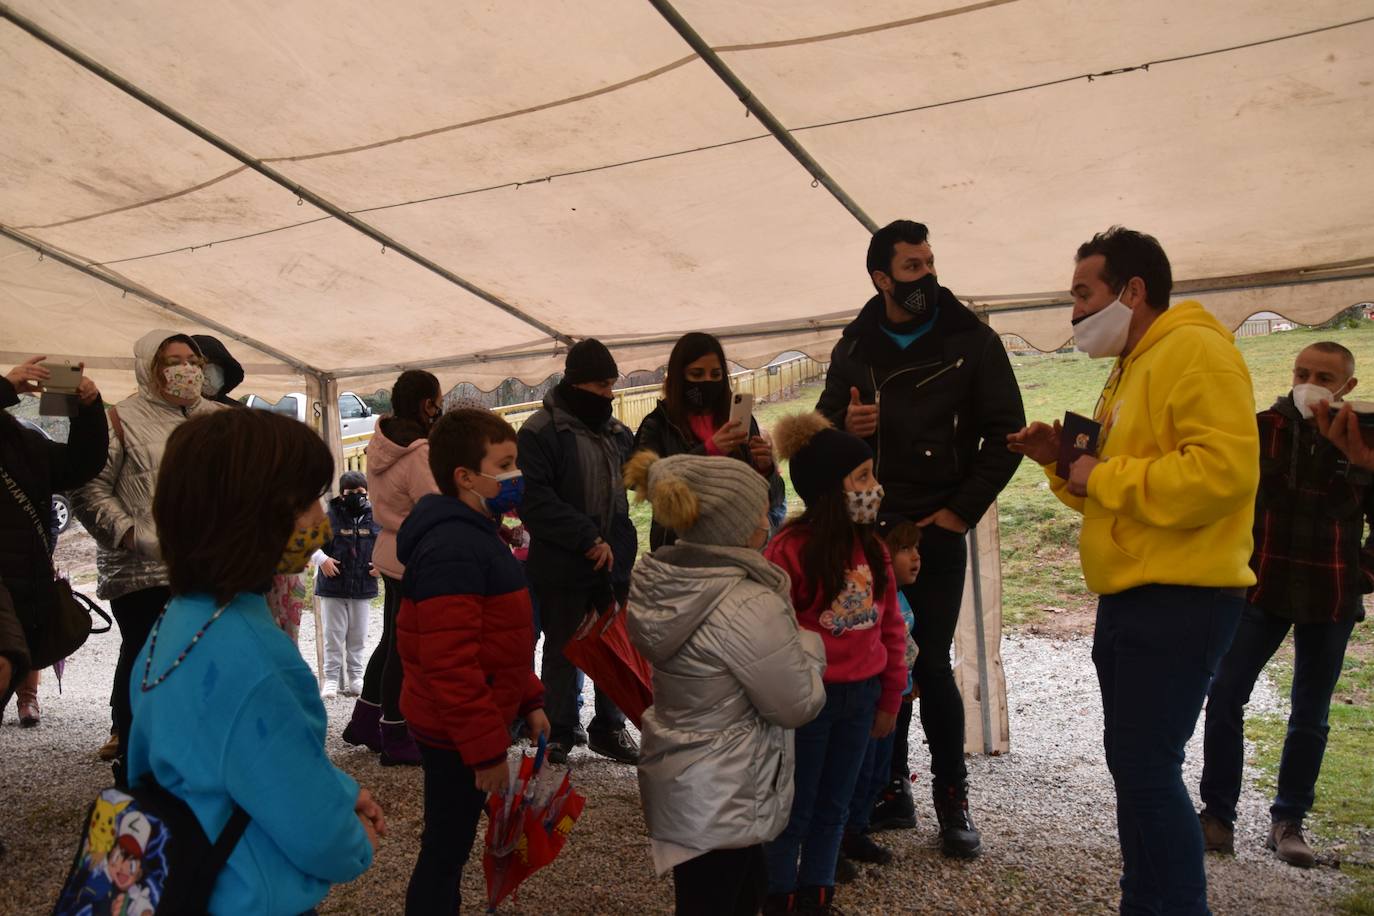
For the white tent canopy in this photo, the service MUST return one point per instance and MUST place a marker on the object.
(239, 162)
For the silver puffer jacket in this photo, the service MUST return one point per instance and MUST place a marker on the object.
(121, 497)
(733, 676)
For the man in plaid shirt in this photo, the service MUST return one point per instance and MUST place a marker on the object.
(1314, 566)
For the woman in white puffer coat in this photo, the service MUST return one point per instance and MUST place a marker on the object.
(733, 676)
(117, 506)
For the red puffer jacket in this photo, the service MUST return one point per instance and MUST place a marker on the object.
(464, 631)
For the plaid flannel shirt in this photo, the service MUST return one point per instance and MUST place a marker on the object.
(1312, 559)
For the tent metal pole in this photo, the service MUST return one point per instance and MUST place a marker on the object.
(302, 192)
(161, 302)
(760, 111)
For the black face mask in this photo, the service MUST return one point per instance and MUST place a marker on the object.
(588, 406)
(356, 503)
(918, 298)
(702, 395)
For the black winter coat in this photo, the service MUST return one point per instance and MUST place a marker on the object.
(41, 467)
(564, 462)
(351, 547)
(660, 435)
(947, 403)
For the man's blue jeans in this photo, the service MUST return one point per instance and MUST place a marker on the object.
(1156, 649)
(830, 751)
(1319, 651)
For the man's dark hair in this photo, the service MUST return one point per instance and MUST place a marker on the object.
(1128, 254)
(460, 440)
(412, 388)
(883, 245)
(688, 349)
(1330, 346)
(229, 490)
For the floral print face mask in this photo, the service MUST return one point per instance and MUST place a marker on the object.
(863, 504)
(301, 545)
(184, 380)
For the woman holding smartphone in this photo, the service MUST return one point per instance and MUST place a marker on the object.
(694, 417)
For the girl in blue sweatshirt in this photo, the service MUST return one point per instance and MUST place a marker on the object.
(225, 711)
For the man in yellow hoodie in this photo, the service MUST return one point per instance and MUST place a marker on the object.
(1168, 503)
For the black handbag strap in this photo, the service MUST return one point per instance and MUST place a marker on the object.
(22, 499)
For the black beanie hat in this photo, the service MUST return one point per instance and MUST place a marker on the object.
(820, 456)
(352, 480)
(589, 361)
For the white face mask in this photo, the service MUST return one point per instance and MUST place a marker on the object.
(863, 505)
(1103, 333)
(184, 380)
(1305, 398)
(214, 381)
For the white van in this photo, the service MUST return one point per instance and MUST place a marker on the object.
(355, 417)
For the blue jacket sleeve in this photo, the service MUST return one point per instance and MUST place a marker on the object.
(275, 768)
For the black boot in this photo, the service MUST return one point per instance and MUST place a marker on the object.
(778, 904)
(861, 848)
(959, 839)
(845, 870)
(894, 809)
(818, 899)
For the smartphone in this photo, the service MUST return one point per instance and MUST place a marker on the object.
(742, 410)
(1364, 412)
(64, 378)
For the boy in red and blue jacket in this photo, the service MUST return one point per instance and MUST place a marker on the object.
(465, 636)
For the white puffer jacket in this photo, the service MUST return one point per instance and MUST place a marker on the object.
(120, 498)
(733, 676)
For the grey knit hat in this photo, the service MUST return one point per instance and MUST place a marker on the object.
(718, 501)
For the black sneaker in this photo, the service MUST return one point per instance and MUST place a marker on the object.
(845, 870)
(894, 809)
(579, 736)
(861, 848)
(556, 754)
(959, 839)
(617, 745)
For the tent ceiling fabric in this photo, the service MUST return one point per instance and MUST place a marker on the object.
(668, 210)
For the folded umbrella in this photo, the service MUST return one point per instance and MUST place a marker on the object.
(601, 649)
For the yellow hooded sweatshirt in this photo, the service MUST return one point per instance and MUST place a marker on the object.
(1173, 500)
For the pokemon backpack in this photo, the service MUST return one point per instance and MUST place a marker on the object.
(143, 852)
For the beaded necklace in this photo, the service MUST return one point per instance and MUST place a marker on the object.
(152, 647)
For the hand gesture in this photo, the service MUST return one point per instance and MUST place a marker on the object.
(28, 376)
(947, 519)
(1079, 472)
(493, 779)
(1039, 442)
(761, 452)
(538, 724)
(730, 437)
(883, 724)
(601, 556)
(860, 419)
(330, 567)
(1343, 429)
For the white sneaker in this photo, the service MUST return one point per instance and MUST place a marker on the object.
(355, 689)
(329, 690)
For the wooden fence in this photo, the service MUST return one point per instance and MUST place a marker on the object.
(632, 405)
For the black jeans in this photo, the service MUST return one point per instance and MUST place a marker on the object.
(1319, 651)
(135, 613)
(1156, 649)
(722, 882)
(453, 807)
(383, 676)
(935, 598)
(560, 613)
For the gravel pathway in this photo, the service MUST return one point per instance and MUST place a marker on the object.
(1046, 812)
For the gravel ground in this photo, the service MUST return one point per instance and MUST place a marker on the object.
(1045, 810)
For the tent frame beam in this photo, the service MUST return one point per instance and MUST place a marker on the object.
(756, 107)
(301, 192)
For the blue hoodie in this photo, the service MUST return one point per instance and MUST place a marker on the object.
(241, 719)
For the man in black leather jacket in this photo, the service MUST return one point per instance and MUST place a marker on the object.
(930, 388)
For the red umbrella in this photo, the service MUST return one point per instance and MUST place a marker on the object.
(527, 824)
(601, 648)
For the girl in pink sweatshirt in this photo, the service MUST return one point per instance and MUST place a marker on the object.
(843, 589)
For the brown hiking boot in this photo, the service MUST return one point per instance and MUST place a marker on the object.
(1217, 835)
(1287, 840)
(110, 749)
